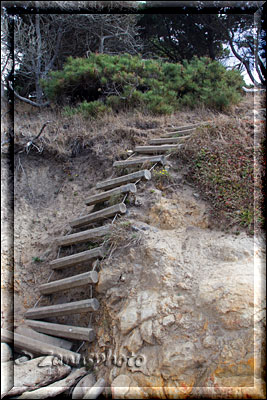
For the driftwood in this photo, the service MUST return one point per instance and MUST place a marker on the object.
(36, 373)
(82, 386)
(6, 352)
(95, 390)
(7, 381)
(55, 388)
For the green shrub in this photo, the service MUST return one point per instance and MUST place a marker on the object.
(93, 108)
(125, 81)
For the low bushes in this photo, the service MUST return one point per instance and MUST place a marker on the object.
(103, 82)
(228, 171)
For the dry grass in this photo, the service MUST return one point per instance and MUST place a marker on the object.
(227, 167)
(109, 136)
(122, 236)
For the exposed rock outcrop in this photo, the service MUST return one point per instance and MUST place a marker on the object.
(186, 310)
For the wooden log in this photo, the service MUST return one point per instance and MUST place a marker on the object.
(7, 377)
(95, 390)
(155, 149)
(141, 160)
(37, 372)
(37, 347)
(55, 388)
(74, 307)
(98, 215)
(168, 140)
(30, 333)
(66, 331)
(6, 353)
(83, 385)
(111, 183)
(99, 198)
(182, 128)
(84, 236)
(78, 258)
(67, 283)
(180, 134)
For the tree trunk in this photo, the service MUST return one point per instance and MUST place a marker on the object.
(38, 88)
(244, 62)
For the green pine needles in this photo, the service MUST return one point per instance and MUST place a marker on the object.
(102, 82)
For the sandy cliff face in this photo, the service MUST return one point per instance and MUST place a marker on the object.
(186, 302)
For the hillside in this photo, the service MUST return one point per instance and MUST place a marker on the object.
(178, 284)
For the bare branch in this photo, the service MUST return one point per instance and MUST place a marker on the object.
(27, 100)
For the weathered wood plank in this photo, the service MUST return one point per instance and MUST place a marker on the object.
(78, 258)
(111, 183)
(83, 386)
(179, 134)
(182, 128)
(95, 390)
(30, 333)
(57, 387)
(23, 343)
(7, 377)
(80, 306)
(84, 236)
(66, 331)
(37, 372)
(155, 149)
(99, 198)
(68, 283)
(141, 160)
(98, 215)
(168, 140)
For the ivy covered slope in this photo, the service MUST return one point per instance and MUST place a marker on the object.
(104, 82)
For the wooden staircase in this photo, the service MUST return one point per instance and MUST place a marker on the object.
(122, 185)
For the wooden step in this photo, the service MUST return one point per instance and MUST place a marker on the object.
(99, 198)
(111, 183)
(155, 149)
(67, 283)
(78, 258)
(168, 140)
(65, 331)
(24, 343)
(84, 236)
(74, 307)
(98, 215)
(180, 134)
(30, 333)
(141, 160)
(181, 128)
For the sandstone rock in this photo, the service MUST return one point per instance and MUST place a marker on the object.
(189, 305)
(134, 341)
(6, 352)
(135, 392)
(147, 331)
(120, 386)
(157, 331)
(148, 303)
(128, 317)
(209, 341)
(169, 320)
